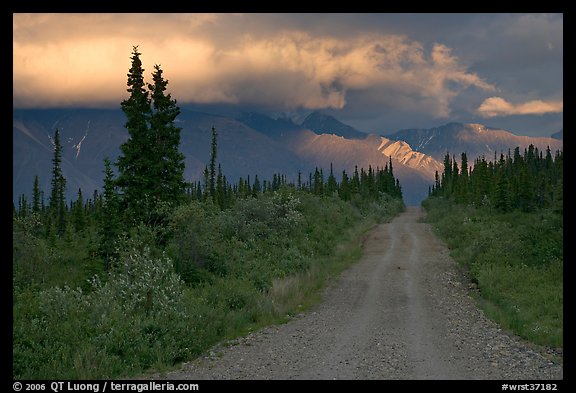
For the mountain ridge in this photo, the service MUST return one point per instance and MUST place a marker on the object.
(473, 138)
(251, 144)
(321, 123)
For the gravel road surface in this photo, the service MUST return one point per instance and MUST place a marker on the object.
(404, 311)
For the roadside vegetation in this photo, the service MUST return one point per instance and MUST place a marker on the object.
(155, 270)
(503, 222)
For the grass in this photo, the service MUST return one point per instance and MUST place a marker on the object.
(301, 291)
(517, 261)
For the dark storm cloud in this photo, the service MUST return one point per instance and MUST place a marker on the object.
(365, 66)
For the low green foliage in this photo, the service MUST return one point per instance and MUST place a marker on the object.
(222, 274)
(516, 258)
(42, 263)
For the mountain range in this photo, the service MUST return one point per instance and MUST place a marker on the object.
(474, 139)
(248, 145)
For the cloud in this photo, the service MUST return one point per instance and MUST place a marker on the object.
(497, 106)
(82, 59)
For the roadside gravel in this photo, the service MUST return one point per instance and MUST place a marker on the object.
(404, 311)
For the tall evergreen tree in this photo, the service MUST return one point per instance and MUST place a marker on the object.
(36, 196)
(110, 226)
(199, 195)
(331, 185)
(78, 216)
(455, 177)
(447, 176)
(345, 187)
(299, 183)
(57, 202)
(501, 197)
(256, 188)
(42, 205)
(22, 206)
(220, 189)
(206, 182)
(355, 182)
(167, 160)
(318, 187)
(463, 179)
(436, 181)
(134, 161)
(150, 165)
(212, 173)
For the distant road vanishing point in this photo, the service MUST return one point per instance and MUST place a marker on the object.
(403, 311)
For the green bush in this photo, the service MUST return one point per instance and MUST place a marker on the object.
(516, 258)
(127, 317)
(223, 274)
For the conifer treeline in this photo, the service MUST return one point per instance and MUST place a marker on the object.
(366, 184)
(527, 182)
(102, 209)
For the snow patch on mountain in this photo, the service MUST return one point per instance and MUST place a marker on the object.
(78, 145)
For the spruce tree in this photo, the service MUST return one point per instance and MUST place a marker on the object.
(317, 188)
(344, 191)
(199, 195)
(240, 189)
(134, 161)
(247, 187)
(256, 188)
(455, 178)
(299, 183)
(212, 173)
(151, 168)
(397, 190)
(463, 180)
(167, 161)
(370, 182)
(110, 226)
(206, 182)
(78, 216)
(22, 206)
(42, 205)
(57, 202)
(220, 189)
(36, 196)
(275, 182)
(501, 197)
(436, 182)
(331, 185)
(447, 176)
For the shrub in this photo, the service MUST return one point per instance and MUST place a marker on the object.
(127, 317)
(516, 259)
(223, 273)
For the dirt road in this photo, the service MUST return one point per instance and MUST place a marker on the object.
(403, 311)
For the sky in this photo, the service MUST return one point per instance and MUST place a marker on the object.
(377, 72)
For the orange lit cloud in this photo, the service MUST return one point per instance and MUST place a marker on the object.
(497, 106)
(82, 60)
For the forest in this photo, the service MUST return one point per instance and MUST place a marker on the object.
(154, 270)
(527, 182)
(503, 221)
